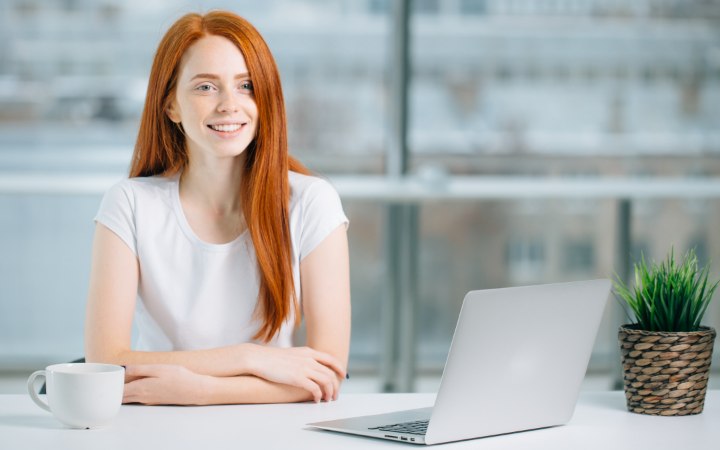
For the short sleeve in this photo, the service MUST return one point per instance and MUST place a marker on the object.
(322, 213)
(117, 213)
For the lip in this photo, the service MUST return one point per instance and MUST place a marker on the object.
(227, 134)
(228, 122)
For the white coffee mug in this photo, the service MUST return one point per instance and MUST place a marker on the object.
(81, 395)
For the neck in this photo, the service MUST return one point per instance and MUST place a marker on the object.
(216, 187)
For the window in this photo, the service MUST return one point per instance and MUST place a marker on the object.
(473, 6)
(525, 258)
(579, 256)
(425, 6)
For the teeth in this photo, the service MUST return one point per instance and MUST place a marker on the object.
(226, 128)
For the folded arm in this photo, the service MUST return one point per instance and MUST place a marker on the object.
(162, 384)
(243, 373)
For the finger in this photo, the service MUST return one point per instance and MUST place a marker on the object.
(336, 382)
(130, 393)
(328, 372)
(130, 379)
(329, 361)
(306, 381)
(330, 388)
(325, 379)
(325, 359)
(131, 399)
(141, 391)
(312, 388)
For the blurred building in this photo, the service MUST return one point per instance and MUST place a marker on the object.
(541, 88)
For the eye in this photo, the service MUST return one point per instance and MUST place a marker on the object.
(205, 87)
(246, 86)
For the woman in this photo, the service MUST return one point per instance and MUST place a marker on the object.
(219, 240)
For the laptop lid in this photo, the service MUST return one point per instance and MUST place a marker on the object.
(517, 359)
(516, 362)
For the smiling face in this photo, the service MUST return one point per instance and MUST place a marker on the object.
(214, 100)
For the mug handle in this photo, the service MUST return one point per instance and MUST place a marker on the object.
(31, 389)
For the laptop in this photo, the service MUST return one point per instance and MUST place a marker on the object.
(516, 363)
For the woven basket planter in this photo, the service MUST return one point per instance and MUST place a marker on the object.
(666, 374)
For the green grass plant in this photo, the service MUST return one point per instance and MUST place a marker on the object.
(668, 296)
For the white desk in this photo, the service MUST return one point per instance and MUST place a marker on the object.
(600, 422)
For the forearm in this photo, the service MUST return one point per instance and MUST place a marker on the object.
(220, 362)
(250, 389)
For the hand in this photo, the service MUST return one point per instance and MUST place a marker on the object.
(163, 384)
(316, 372)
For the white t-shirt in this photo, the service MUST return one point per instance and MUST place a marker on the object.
(195, 295)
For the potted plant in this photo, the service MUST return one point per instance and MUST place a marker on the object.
(666, 353)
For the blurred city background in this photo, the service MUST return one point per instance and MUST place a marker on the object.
(516, 89)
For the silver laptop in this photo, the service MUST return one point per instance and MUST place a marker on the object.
(516, 363)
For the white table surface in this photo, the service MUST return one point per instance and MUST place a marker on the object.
(600, 422)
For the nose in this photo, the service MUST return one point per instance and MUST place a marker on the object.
(228, 103)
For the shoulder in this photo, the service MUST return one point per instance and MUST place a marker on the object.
(147, 185)
(132, 190)
(307, 185)
(306, 190)
(133, 203)
(315, 211)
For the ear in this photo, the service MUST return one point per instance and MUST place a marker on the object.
(172, 111)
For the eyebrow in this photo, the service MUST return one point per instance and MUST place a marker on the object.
(213, 76)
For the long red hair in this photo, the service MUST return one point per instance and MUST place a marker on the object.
(265, 189)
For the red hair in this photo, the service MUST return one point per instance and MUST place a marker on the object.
(265, 189)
